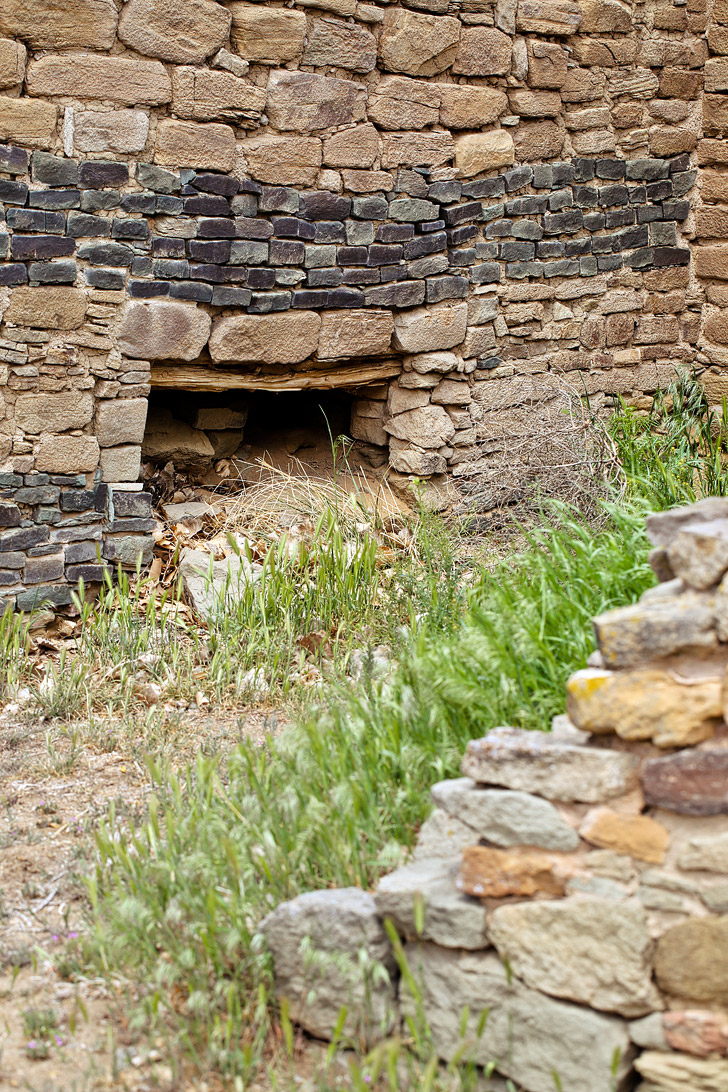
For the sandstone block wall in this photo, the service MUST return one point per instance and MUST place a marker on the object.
(574, 884)
(453, 201)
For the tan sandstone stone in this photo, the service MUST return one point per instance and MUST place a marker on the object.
(67, 454)
(202, 95)
(267, 35)
(429, 149)
(635, 835)
(535, 104)
(486, 872)
(25, 121)
(647, 703)
(40, 413)
(605, 17)
(426, 427)
(553, 17)
(285, 161)
(476, 152)
(418, 44)
(535, 140)
(546, 64)
(182, 31)
(368, 181)
(583, 85)
(60, 24)
(483, 51)
(424, 329)
(464, 107)
(674, 1072)
(357, 147)
(49, 307)
(354, 333)
(400, 103)
(162, 330)
(691, 960)
(705, 853)
(711, 223)
(715, 113)
(593, 951)
(711, 262)
(304, 101)
(286, 338)
(110, 130)
(12, 62)
(187, 144)
(120, 421)
(118, 79)
(341, 44)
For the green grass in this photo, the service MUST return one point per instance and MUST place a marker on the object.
(337, 799)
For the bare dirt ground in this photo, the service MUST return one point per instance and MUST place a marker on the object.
(56, 786)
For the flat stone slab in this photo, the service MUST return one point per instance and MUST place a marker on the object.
(532, 762)
(211, 586)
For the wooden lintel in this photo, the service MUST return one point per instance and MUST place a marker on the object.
(193, 377)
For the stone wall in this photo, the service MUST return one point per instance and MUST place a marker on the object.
(461, 203)
(574, 884)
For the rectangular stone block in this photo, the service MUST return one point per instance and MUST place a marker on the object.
(27, 122)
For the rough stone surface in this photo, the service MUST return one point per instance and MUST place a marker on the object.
(212, 586)
(418, 44)
(303, 101)
(477, 152)
(165, 438)
(355, 333)
(532, 762)
(673, 1072)
(67, 455)
(120, 464)
(691, 960)
(119, 79)
(206, 96)
(163, 330)
(699, 553)
(60, 24)
(188, 144)
(267, 35)
(337, 925)
(424, 329)
(464, 107)
(628, 636)
(49, 307)
(691, 783)
(422, 901)
(635, 835)
(500, 873)
(696, 1031)
(663, 527)
(285, 161)
(12, 63)
(705, 853)
(428, 426)
(121, 422)
(549, 17)
(401, 103)
(505, 818)
(39, 413)
(579, 1045)
(266, 339)
(666, 706)
(592, 951)
(27, 121)
(101, 131)
(181, 31)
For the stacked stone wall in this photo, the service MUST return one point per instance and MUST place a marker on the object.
(571, 886)
(461, 204)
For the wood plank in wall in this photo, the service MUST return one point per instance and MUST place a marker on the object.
(191, 377)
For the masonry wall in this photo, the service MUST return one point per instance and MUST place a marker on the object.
(459, 205)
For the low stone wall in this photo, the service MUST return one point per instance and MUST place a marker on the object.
(574, 884)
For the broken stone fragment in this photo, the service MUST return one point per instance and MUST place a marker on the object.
(595, 952)
(503, 817)
(699, 553)
(662, 527)
(212, 587)
(696, 1031)
(167, 438)
(317, 941)
(578, 1045)
(422, 901)
(706, 853)
(657, 626)
(498, 873)
(670, 708)
(635, 835)
(534, 762)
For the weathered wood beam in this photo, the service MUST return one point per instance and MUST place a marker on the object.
(193, 377)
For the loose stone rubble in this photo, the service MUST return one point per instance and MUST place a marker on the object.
(575, 884)
(452, 208)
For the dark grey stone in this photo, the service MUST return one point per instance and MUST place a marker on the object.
(485, 187)
(157, 179)
(594, 221)
(648, 213)
(583, 170)
(168, 206)
(331, 231)
(560, 199)
(550, 248)
(374, 207)
(206, 204)
(191, 290)
(486, 273)
(351, 255)
(215, 274)
(585, 197)
(142, 267)
(13, 160)
(683, 182)
(360, 276)
(656, 191)
(291, 227)
(12, 274)
(216, 251)
(52, 170)
(671, 255)
(394, 233)
(641, 259)
(98, 200)
(223, 184)
(459, 235)
(278, 199)
(173, 268)
(359, 232)
(261, 278)
(61, 272)
(637, 195)
(148, 290)
(262, 303)
(247, 227)
(164, 247)
(609, 196)
(563, 174)
(445, 192)
(675, 210)
(104, 174)
(216, 227)
(130, 229)
(462, 257)
(83, 225)
(13, 193)
(26, 247)
(109, 280)
(576, 247)
(325, 277)
(562, 268)
(9, 514)
(516, 251)
(543, 176)
(610, 168)
(525, 206)
(229, 296)
(397, 294)
(382, 254)
(324, 205)
(520, 270)
(425, 244)
(244, 204)
(460, 214)
(23, 538)
(248, 252)
(646, 170)
(145, 203)
(409, 210)
(558, 223)
(527, 229)
(619, 217)
(446, 288)
(425, 267)
(106, 254)
(606, 263)
(54, 199)
(287, 252)
(57, 595)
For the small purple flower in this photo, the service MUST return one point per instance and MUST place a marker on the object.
(59, 1041)
(72, 935)
(55, 937)
(31, 1044)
